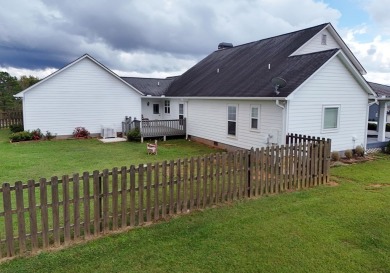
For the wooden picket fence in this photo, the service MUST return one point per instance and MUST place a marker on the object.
(55, 212)
(10, 118)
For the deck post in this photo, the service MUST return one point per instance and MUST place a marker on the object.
(382, 121)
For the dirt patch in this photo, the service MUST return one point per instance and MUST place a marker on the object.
(379, 185)
(332, 184)
(355, 160)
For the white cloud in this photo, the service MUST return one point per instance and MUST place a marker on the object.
(374, 54)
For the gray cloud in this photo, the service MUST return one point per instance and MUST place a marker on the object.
(151, 36)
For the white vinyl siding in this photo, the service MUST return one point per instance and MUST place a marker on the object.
(208, 119)
(83, 94)
(316, 44)
(332, 85)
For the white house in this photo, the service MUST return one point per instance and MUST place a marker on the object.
(82, 94)
(251, 95)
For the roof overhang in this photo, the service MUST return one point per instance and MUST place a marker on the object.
(223, 98)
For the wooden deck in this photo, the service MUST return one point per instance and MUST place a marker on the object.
(156, 128)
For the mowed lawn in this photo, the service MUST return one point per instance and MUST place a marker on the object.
(342, 227)
(33, 160)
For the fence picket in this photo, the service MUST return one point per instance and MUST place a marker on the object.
(148, 192)
(76, 205)
(141, 194)
(164, 190)
(66, 206)
(86, 203)
(132, 195)
(171, 187)
(32, 209)
(55, 210)
(96, 202)
(115, 199)
(44, 212)
(9, 231)
(156, 191)
(123, 194)
(20, 213)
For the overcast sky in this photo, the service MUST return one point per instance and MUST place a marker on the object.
(159, 38)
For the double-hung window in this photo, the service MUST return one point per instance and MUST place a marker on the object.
(255, 117)
(331, 117)
(232, 120)
(167, 107)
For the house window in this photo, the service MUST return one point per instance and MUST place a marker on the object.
(232, 120)
(323, 39)
(156, 109)
(181, 111)
(331, 117)
(167, 107)
(255, 114)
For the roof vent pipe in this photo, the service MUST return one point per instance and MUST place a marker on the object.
(158, 83)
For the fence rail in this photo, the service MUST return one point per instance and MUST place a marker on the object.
(10, 118)
(59, 211)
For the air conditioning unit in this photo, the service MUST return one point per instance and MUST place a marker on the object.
(108, 132)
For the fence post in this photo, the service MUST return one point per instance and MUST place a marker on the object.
(248, 165)
(9, 233)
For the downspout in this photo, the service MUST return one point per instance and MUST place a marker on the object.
(284, 123)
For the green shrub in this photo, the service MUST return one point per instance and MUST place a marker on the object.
(387, 148)
(134, 135)
(359, 151)
(335, 156)
(81, 132)
(348, 154)
(16, 128)
(21, 136)
(49, 136)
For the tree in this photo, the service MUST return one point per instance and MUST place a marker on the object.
(26, 82)
(9, 86)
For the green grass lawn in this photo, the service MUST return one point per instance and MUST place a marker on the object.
(32, 160)
(342, 228)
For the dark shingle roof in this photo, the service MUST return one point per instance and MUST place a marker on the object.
(243, 70)
(149, 86)
(380, 89)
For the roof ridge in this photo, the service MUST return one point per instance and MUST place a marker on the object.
(276, 36)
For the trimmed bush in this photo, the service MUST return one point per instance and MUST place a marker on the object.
(359, 151)
(387, 149)
(335, 156)
(81, 132)
(348, 154)
(134, 135)
(16, 128)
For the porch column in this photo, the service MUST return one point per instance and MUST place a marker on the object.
(382, 121)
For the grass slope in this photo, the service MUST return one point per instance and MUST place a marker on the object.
(325, 229)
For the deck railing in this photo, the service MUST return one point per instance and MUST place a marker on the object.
(156, 128)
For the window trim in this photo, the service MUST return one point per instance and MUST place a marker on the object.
(228, 120)
(327, 106)
(258, 117)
